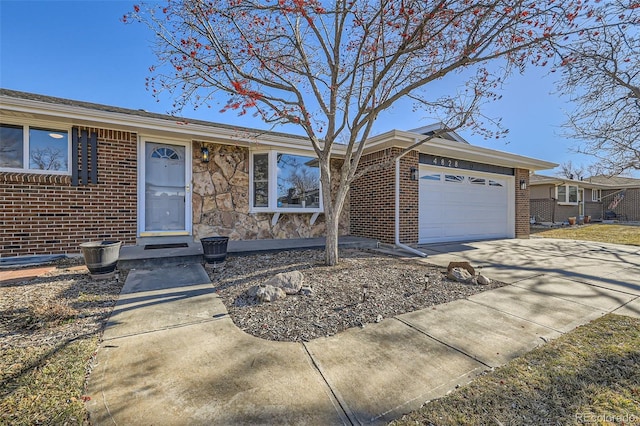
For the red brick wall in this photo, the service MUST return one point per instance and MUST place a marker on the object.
(373, 200)
(409, 201)
(522, 205)
(44, 214)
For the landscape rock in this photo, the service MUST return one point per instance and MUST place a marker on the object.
(306, 291)
(394, 287)
(269, 293)
(482, 280)
(290, 282)
(253, 291)
(460, 275)
(464, 265)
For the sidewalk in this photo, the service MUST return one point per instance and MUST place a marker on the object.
(171, 354)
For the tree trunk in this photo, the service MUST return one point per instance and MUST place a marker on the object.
(332, 209)
(331, 243)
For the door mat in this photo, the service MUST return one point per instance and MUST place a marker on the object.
(165, 246)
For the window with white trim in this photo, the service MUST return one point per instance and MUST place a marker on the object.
(567, 194)
(285, 182)
(454, 178)
(431, 176)
(596, 195)
(34, 149)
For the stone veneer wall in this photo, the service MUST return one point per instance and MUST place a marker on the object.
(221, 201)
(44, 214)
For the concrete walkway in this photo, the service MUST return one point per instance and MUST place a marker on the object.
(171, 355)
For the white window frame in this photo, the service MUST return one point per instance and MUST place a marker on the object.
(596, 195)
(25, 148)
(272, 206)
(567, 192)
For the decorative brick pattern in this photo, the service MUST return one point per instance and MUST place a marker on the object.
(44, 214)
(523, 212)
(373, 199)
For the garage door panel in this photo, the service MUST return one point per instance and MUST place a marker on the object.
(463, 205)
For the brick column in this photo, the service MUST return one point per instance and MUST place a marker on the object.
(522, 205)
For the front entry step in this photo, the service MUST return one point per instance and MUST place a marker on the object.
(154, 254)
(174, 239)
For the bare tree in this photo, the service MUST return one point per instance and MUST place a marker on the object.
(332, 68)
(601, 75)
(303, 183)
(570, 171)
(47, 158)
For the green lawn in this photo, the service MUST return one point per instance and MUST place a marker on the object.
(605, 233)
(587, 376)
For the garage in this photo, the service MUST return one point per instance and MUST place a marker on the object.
(464, 205)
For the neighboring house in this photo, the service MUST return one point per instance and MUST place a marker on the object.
(620, 196)
(555, 199)
(72, 172)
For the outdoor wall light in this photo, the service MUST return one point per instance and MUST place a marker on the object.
(205, 154)
(413, 173)
(523, 184)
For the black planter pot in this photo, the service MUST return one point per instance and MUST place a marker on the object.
(101, 257)
(214, 249)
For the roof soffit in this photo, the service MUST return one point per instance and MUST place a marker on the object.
(454, 149)
(153, 124)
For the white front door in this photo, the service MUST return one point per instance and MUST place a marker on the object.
(164, 200)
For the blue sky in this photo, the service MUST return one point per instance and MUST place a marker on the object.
(81, 50)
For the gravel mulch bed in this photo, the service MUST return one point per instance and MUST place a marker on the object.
(365, 287)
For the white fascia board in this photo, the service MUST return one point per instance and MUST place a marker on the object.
(562, 182)
(74, 115)
(438, 126)
(447, 148)
(546, 182)
(558, 181)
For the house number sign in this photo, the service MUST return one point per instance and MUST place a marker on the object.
(445, 162)
(434, 160)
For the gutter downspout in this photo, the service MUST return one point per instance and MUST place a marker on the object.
(397, 221)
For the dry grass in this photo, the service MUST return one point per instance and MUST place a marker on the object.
(588, 376)
(604, 233)
(49, 331)
(44, 385)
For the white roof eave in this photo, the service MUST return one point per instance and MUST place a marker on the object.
(76, 115)
(457, 150)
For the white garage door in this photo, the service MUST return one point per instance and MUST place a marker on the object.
(463, 205)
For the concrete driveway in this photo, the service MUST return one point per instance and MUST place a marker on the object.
(171, 354)
(585, 272)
